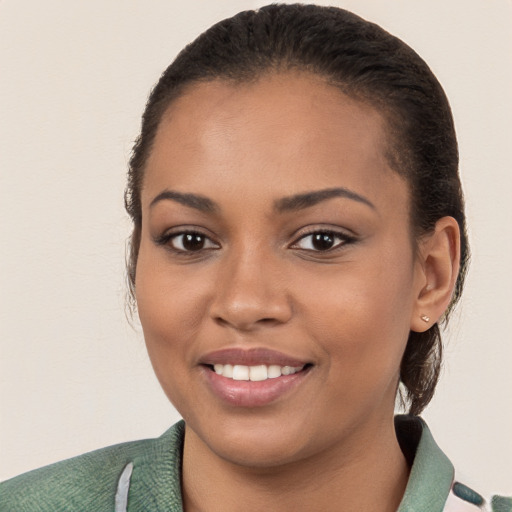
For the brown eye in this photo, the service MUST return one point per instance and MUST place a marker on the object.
(191, 242)
(322, 241)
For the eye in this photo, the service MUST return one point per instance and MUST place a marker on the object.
(189, 242)
(322, 241)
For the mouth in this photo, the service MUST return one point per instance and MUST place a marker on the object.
(253, 378)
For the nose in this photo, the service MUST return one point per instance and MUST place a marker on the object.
(251, 293)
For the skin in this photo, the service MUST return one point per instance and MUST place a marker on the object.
(259, 282)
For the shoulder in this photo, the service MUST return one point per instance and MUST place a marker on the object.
(501, 504)
(89, 482)
(433, 482)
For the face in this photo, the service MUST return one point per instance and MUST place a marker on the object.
(275, 247)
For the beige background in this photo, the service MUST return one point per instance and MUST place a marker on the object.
(74, 77)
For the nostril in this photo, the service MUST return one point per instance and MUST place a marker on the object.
(249, 314)
(221, 321)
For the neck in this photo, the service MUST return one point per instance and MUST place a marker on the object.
(371, 477)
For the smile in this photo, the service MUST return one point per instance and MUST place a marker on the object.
(254, 373)
(254, 377)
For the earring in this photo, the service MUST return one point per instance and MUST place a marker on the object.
(425, 318)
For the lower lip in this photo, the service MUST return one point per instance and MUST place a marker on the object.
(245, 393)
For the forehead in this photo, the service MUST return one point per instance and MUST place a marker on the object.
(288, 130)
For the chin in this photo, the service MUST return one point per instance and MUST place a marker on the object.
(271, 453)
(259, 445)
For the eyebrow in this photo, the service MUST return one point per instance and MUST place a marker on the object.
(307, 199)
(285, 204)
(196, 201)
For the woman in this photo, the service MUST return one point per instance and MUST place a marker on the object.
(298, 235)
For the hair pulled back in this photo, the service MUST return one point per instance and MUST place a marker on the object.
(366, 63)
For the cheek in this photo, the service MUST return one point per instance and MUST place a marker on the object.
(360, 316)
(171, 307)
(171, 314)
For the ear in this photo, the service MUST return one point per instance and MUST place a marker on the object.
(437, 268)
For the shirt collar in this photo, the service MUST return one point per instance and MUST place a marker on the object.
(431, 474)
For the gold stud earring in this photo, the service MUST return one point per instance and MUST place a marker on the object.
(425, 318)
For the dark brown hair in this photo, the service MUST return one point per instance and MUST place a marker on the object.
(366, 63)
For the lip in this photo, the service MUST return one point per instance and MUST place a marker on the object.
(251, 357)
(247, 393)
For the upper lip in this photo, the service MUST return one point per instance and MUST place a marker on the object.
(250, 357)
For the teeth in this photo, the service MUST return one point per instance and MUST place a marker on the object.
(240, 372)
(274, 371)
(254, 373)
(228, 371)
(257, 373)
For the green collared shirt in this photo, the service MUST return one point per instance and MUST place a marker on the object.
(145, 476)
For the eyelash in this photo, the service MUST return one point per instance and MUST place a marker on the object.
(344, 239)
(167, 238)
